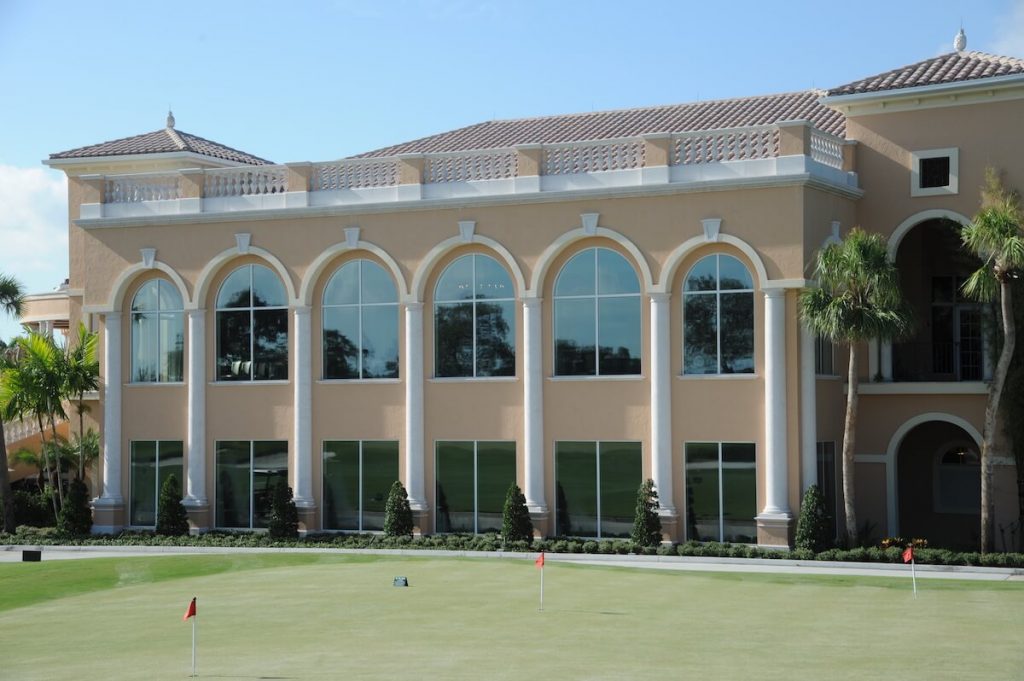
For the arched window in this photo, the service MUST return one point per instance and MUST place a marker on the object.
(597, 315)
(360, 323)
(252, 326)
(158, 333)
(718, 317)
(958, 480)
(474, 319)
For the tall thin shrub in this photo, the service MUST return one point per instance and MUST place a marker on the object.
(397, 514)
(515, 517)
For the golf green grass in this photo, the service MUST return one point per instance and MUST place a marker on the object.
(318, 616)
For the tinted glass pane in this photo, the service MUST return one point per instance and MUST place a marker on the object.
(378, 286)
(233, 338)
(234, 292)
(496, 471)
(269, 468)
(737, 333)
(170, 299)
(145, 344)
(270, 345)
(170, 461)
(341, 485)
(732, 274)
(739, 493)
(454, 490)
(380, 470)
(577, 276)
(268, 291)
(576, 489)
(575, 354)
(621, 475)
(619, 335)
(703, 276)
(343, 288)
(143, 494)
(233, 493)
(495, 338)
(615, 274)
(380, 341)
(147, 298)
(456, 282)
(827, 482)
(341, 331)
(702, 510)
(172, 346)
(492, 281)
(700, 334)
(453, 340)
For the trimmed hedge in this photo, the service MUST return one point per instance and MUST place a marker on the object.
(492, 542)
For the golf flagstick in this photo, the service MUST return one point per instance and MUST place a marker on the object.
(540, 563)
(191, 614)
(908, 557)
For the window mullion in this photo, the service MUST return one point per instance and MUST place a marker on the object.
(360, 474)
(597, 495)
(472, 298)
(252, 484)
(721, 500)
(476, 490)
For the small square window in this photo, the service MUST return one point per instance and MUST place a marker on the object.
(934, 172)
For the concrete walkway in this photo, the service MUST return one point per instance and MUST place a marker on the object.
(11, 554)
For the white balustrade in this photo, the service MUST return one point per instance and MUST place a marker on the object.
(251, 181)
(142, 187)
(472, 165)
(593, 157)
(355, 173)
(826, 149)
(730, 144)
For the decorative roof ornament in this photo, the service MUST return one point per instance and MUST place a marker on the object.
(170, 116)
(960, 41)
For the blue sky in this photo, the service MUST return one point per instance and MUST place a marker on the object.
(316, 81)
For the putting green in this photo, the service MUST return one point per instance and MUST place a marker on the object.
(301, 616)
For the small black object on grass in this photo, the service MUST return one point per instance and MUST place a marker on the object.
(31, 556)
(401, 581)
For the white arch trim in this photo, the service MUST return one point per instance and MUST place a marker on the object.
(892, 453)
(426, 266)
(916, 219)
(316, 269)
(130, 274)
(563, 242)
(684, 249)
(223, 258)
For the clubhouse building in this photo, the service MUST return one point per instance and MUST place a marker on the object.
(574, 303)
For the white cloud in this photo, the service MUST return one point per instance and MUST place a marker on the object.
(1009, 38)
(33, 230)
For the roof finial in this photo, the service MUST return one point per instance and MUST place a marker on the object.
(170, 118)
(960, 42)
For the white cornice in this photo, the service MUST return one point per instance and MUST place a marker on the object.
(125, 159)
(984, 90)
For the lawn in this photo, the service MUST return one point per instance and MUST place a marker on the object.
(315, 616)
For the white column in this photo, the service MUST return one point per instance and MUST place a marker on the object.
(303, 408)
(808, 411)
(112, 411)
(533, 405)
(776, 497)
(886, 361)
(414, 406)
(661, 401)
(195, 491)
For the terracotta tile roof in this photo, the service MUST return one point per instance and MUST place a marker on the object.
(159, 142)
(712, 115)
(954, 67)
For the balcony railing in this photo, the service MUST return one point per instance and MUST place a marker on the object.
(941, 361)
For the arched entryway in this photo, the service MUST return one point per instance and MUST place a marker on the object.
(939, 485)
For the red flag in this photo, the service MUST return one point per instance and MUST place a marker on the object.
(908, 554)
(540, 561)
(191, 612)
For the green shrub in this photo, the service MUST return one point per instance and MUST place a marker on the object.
(171, 517)
(284, 516)
(515, 517)
(33, 509)
(397, 514)
(812, 528)
(75, 516)
(646, 523)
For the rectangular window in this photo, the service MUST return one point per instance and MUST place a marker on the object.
(823, 357)
(152, 462)
(596, 484)
(827, 482)
(721, 491)
(247, 473)
(357, 476)
(934, 172)
(471, 481)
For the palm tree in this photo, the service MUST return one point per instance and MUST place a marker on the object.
(82, 371)
(996, 235)
(858, 298)
(11, 297)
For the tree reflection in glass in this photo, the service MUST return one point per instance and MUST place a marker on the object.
(252, 326)
(718, 317)
(360, 323)
(158, 333)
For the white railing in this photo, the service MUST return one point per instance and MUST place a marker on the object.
(732, 144)
(592, 157)
(245, 181)
(467, 166)
(142, 187)
(354, 173)
(826, 149)
(15, 431)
